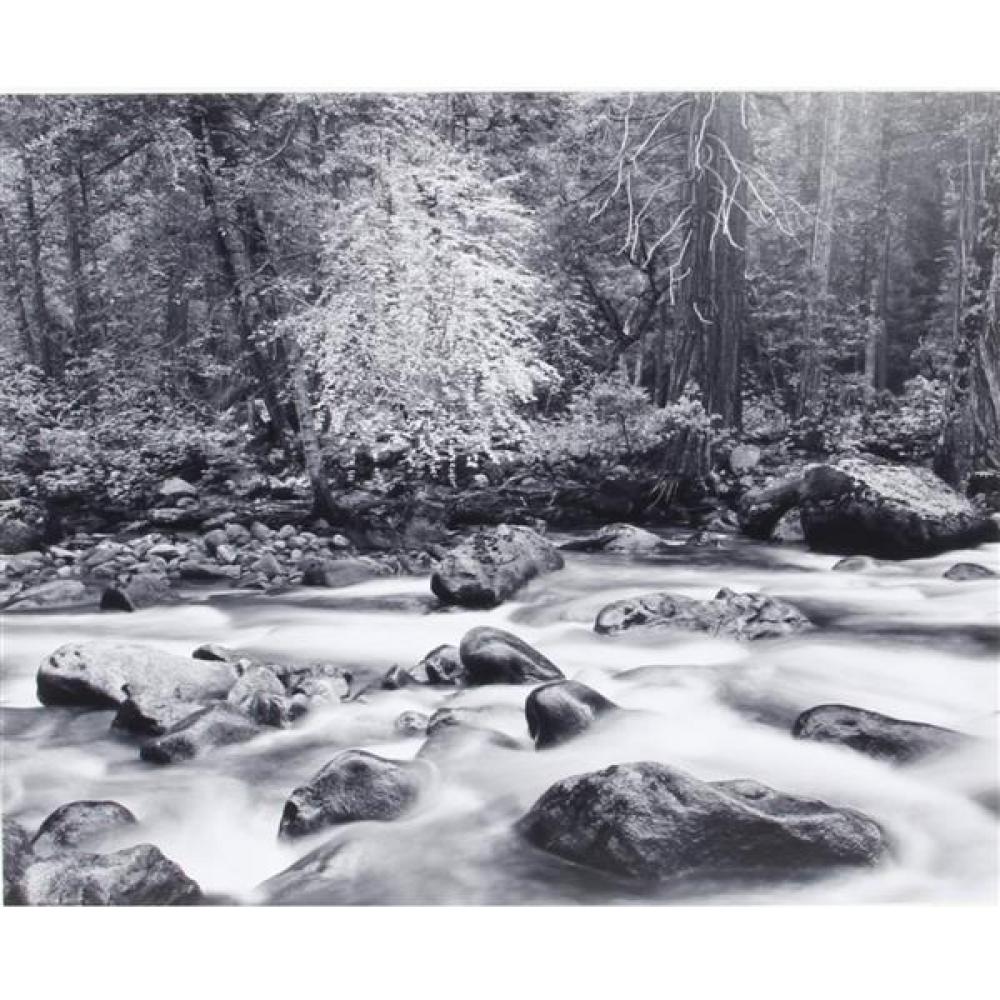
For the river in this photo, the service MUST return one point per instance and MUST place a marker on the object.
(895, 638)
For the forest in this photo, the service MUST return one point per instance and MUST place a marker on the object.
(338, 290)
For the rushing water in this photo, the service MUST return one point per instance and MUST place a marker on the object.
(895, 638)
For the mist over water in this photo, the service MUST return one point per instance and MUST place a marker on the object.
(895, 638)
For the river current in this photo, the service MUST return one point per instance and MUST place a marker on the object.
(896, 638)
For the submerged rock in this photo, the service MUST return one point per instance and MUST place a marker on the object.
(493, 656)
(729, 614)
(411, 723)
(618, 538)
(317, 572)
(968, 571)
(94, 674)
(876, 735)
(894, 512)
(492, 565)
(450, 737)
(216, 726)
(854, 564)
(648, 821)
(77, 824)
(16, 856)
(355, 785)
(562, 709)
(260, 696)
(138, 876)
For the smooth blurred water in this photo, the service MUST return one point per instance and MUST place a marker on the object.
(896, 638)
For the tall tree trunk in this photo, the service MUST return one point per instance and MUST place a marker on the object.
(877, 339)
(710, 304)
(74, 258)
(820, 255)
(971, 435)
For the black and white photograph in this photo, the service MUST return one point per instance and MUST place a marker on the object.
(474, 497)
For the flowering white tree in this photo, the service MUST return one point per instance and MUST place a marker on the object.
(423, 328)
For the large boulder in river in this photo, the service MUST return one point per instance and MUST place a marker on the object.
(492, 565)
(355, 785)
(623, 539)
(21, 526)
(560, 710)
(76, 824)
(728, 614)
(493, 656)
(888, 511)
(216, 726)
(138, 876)
(94, 675)
(879, 736)
(16, 855)
(649, 821)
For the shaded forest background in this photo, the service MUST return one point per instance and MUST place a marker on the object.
(342, 288)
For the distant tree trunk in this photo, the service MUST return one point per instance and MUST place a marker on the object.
(877, 340)
(50, 347)
(820, 254)
(971, 435)
(74, 259)
(711, 300)
(17, 292)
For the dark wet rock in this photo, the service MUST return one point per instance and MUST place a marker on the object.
(16, 855)
(876, 735)
(618, 538)
(138, 876)
(411, 723)
(968, 571)
(94, 674)
(142, 591)
(562, 709)
(78, 824)
(761, 509)
(649, 821)
(318, 572)
(492, 565)
(493, 656)
(54, 594)
(355, 785)
(854, 564)
(450, 737)
(152, 714)
(260, 696)
(442, 666)
(728, 614)
(894, 512)
(215, 726)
